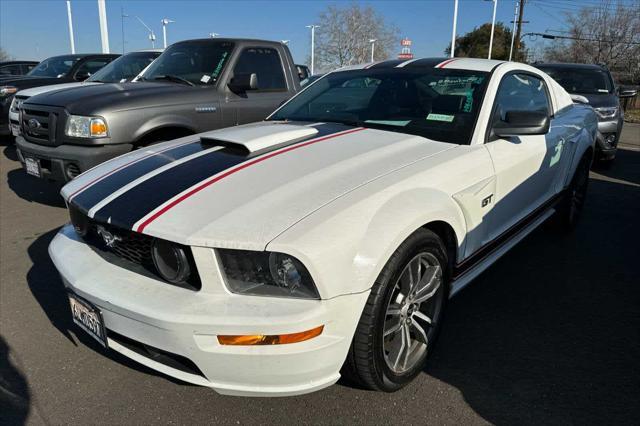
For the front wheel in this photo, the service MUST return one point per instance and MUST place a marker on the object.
(402, 317)
(571, 207)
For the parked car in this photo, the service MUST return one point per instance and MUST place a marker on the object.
(57, 69)
(13, 68)
(194, 86)
(303, 71)
(125, 68)
(259, 259)
(595, 84)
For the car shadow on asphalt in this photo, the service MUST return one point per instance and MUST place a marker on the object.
(550, 333)
(49, 291)
(15, 397)
(34, 190)
(625, 167)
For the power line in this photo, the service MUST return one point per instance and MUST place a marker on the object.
(553, 37)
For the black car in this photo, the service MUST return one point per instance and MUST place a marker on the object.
(13, 68)
(595, 84)
(57, 69)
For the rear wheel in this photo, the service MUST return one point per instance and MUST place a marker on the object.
(402, 317)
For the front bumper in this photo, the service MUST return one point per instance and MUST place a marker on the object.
(64, 162)
(607, 130)
(140, 311)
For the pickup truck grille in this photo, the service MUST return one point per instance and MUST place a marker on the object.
(127, 249)
(39, 124)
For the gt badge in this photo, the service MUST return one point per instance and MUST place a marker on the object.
(486, 200)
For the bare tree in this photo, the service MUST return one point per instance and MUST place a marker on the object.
(344, 34)
(608, 34)
(4, 56)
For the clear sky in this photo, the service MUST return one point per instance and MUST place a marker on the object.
(31, 29)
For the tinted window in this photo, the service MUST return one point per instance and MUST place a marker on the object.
(198, 62)
(266, 64)
(124, 68)
(57, 66)
(436, 103)
(580, 80)
(521, 92)
(92, 66)
(11, 70)
(28, 67)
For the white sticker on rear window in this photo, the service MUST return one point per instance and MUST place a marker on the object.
(205, 78)
(440, 117)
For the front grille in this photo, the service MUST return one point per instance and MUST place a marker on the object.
(127, 249)
(39, 124)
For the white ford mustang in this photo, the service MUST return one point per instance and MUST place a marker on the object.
(267, 258)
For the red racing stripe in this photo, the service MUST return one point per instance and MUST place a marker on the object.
(219, 177)
(448, 61)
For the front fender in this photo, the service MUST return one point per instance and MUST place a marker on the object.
(346, 244)
(165, 120)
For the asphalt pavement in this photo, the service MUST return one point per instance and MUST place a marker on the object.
(550, 334)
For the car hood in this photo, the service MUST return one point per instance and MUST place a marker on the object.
(26, 81)
(93, 99)
(52, 87)
(240, 187)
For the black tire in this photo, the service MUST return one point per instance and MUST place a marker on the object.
(570, 208)
(366, 364)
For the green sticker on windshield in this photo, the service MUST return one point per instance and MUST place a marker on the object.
(440, 117)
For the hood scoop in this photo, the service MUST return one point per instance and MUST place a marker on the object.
(251, 139)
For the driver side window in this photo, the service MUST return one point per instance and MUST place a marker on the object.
(520, 92)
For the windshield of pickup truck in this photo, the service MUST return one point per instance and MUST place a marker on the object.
(195, 63)
(57, 66)
(435, 103)
(580, 80)
(125, 68)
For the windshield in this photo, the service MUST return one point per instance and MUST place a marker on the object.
(124, 68)
(193, 62)
(57, 66)
(438, 104)
(580, 81)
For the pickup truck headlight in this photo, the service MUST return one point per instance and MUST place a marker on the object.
(266, 274)
(608, 112)
(7, 90)
(86, 127)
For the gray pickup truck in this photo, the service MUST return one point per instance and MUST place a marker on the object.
(194, 86)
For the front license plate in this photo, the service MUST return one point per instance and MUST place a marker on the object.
(32, 166)
(15, 130)
(88, 318)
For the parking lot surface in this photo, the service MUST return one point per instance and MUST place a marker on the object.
(549, 334)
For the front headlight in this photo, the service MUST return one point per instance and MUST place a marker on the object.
(7, 90)
(608, 112)
(86, 127)
(171, 261)
(266, 274)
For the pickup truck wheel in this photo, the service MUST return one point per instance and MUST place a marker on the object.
(571, 206)
(402, 317)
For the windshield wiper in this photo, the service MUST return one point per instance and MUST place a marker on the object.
(173, 78)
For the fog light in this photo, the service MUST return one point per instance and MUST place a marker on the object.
(611, 138)
(275, 339)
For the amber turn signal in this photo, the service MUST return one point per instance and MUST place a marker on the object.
(98, 128)
(276, 339)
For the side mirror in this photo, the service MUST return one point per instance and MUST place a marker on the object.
(517, 123)
(82, 75)
(244, 82)
(579, 99)
(628, 93)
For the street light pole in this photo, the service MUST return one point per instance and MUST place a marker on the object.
(313, 41)
(493, 24)
(165, 22)
(513, 31)
(453, 33)
(104, 30)
(73, 45)
(373, 46)
(152, 36)
(122, 16)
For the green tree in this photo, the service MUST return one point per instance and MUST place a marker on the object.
(475, 44)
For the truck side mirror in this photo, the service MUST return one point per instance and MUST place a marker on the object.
(628, 93)
(244, 82)
(82, 75)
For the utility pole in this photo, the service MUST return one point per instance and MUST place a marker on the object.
(165, 22)
(104, 31)
(122, 16)
(493, 25)
(513, 31)
(453, 33)
(73, 45)
(373, 46)
(313, 41)
(519, 29)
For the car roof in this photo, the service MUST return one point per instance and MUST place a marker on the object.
(83, 55)
(569, 66)
(474, 64)
(231, 40)
(18, 62)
